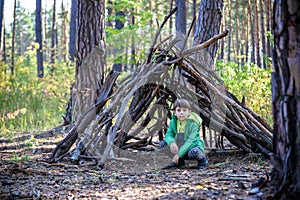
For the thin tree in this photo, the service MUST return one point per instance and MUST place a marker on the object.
(45, 39)
(1, 27)
(252, 31)
(262, 31)
(286, 101)
(120, 15)
(171, 18)
(12, 67)
(180, 22)
(64, 28)
(132, 47)
(72, 41)
(53, 37)
(245, 45)
(256, 35)
(194, 13)
(208, 25)
(39, 38)
(237, 32)
(268, 11)
(230, 32)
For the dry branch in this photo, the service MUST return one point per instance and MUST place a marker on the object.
(167, 74)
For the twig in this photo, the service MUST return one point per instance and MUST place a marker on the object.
(204, 44)
(158, 33)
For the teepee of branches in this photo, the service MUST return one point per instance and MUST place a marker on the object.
(137, 107)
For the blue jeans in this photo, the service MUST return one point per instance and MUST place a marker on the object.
(194, 153)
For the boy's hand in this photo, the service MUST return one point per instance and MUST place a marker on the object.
(175, 159)
(174, 148)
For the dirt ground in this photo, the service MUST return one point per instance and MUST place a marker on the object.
(229, 175)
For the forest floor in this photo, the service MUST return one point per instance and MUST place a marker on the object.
(24, 176)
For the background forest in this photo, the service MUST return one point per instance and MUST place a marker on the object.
(32, 101)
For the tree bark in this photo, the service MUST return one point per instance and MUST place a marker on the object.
(90, 57)
(64, 28)
(244, 52)
(285, 99)
(46, 49)
(256, 32)
(117, 52)
(208, 25)
(268, 9)
(1, 28)
(72, 41)
(230, 32)
(262, 32)
(132, 43)
(180, 22)
(237, 32)
(252, 30)
(12, 67)
(53, 37)
(39, 39)
(171, 18)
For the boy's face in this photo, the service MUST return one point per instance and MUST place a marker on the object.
(181, 113)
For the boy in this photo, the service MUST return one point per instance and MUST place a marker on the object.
(183, 137)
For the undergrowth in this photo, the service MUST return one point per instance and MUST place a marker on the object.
(252, 83)
(30, 103)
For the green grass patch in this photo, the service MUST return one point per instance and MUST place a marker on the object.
(18, 158)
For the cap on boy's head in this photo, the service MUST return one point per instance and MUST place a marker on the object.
(182, 103)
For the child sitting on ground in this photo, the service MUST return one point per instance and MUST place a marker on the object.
(183, 137)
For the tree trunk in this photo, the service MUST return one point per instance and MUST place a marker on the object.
(237, 33)
(132, 46)
(117, 66)
(180, 22)
(252, 30)
(194, 14)
(262, 32)
(12, 67)
(244, 45)
(171, 18)
(45, 39)
(268, 9)
(285, 99)
(230, 33)
(72, 41)
(208, 25)
(1, 28)
(39, 39)
(4, 45)
(64, 28)
(90, 57)
(53, 37)
(256, 32)
(222, 42)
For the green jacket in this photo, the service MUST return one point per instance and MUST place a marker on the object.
(191, 133)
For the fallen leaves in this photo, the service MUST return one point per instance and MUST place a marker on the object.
(227, 177)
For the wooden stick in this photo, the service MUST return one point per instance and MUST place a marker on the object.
(204, 44)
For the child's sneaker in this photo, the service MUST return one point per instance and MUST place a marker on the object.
(202, 164)
(180, 165)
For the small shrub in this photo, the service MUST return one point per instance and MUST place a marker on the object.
(252, 83)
